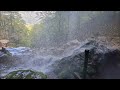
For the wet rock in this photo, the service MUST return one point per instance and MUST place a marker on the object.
(98, 59)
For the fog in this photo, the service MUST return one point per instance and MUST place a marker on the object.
(40, 38)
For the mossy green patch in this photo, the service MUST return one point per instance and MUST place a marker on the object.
(25, 74)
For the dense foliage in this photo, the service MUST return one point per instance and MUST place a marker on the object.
(12, 27)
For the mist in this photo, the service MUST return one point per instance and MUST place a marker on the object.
(39, 39)
(70, 25)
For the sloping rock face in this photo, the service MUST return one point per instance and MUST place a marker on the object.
(111, 68)
(5, 58)
(25, 74)
(101, 61)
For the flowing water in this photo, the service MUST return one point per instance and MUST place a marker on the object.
(37, 59)
(40, 59)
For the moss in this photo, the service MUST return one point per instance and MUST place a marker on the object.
(25, 74)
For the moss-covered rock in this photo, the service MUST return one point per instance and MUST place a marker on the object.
(25, 74)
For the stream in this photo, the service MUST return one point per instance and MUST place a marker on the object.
(36, 59)
(44, 60)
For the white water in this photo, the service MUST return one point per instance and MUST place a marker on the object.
(39, 60)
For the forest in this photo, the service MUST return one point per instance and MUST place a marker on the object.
(53, 44)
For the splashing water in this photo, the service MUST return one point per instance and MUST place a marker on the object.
(26, 59)
(39, 60)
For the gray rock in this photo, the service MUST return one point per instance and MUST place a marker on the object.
(98, 59)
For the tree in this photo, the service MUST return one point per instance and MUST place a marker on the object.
(12, 27)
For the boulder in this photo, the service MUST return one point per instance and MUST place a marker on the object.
(99, 57)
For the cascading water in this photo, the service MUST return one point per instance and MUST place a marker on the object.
(38, 60)
(58, 37)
